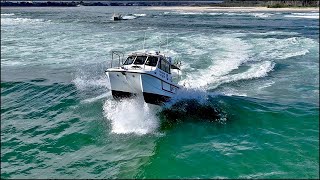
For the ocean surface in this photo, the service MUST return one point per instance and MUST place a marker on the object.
(249, 107)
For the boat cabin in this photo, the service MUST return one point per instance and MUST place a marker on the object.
(149, 61)
(147, 73)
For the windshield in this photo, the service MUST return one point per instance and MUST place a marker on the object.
(152, 61)
(140, 60)
(129, 60)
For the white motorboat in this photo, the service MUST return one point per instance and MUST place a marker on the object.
(143, 73)
(116, 17)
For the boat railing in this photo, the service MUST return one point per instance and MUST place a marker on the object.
(120, 56)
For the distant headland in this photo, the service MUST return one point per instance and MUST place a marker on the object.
(216, 3)
(72, 3)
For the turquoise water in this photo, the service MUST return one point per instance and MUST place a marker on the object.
(249, 109)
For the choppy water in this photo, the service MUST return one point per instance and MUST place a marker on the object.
(250, 109)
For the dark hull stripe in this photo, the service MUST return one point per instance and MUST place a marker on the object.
(120, 94)
(148, 97)
(155, 98)
(145, 74)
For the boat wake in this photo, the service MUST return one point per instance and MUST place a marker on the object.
(133, 115)
(132, 16)
(253, 59)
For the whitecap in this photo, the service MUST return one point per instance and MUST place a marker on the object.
(304, 15)
(261, 15)
(19, 21)
(215, 14)
(9, 14)
(139, 15)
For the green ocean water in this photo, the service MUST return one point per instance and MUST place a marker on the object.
(249, 109)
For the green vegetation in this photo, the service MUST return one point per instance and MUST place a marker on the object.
(271, 4)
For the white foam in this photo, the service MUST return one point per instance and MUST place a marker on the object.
(188, 13)
(261, 175)
(293, 54)
(83, 82)
(273, 48)
(19, 21)
(131, 116)
(127, 17)
(227, 60)
(215, 14)
(232, 14)
(307, 14)
(10, 14)
(265, 85)
(258, 15)
(90, 100)
(232, 92)
(257, 70)
(139, 15)
(261, 15)
(275, 33)
(184, 66)
(304, 15)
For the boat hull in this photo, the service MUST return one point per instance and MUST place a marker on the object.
(154, 90)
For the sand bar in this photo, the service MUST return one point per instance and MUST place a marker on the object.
(231, 9)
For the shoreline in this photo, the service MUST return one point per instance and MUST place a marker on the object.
(231, 9)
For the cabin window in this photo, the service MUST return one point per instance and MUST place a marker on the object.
(129, 60)
(152, 61)
(167, 67)
(140, 60)
(164, 65)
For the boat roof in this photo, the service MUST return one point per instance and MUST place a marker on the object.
(147, 53)
(156, 54)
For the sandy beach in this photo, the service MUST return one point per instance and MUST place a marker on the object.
(231, 9)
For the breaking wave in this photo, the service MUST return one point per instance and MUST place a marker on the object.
(303, 15)
(139, 15)
(9, 14)
(258, 15)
